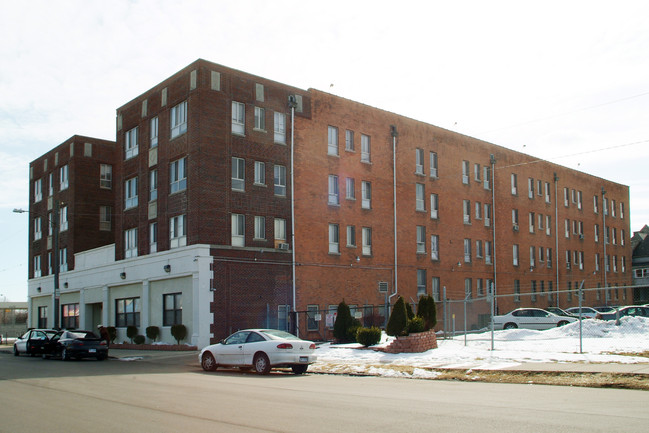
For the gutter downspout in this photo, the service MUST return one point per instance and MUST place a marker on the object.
(605, 238)
(292, 104)
(394, 133)
(492, 159)
(556, 230)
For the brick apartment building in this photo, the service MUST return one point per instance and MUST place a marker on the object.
(202, 213)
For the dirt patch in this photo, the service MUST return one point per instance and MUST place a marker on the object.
(561, 378)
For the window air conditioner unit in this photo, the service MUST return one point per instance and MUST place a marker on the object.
(283, 246)
(581, 237)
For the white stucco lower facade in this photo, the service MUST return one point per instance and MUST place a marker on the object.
(98, 282)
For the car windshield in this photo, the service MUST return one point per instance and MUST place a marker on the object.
(78, 334)
(276, 334)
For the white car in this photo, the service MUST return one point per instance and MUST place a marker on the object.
(586, 312)
(531, 318)
(261, 349)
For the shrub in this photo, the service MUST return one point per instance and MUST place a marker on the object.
(139, 339)
(345, 325)
(398, 320)
(416, 324)
(368, 336)
(427, 310)
(131, 331)
(112, 333)
(179, 332)
(409, 313)
(153, 332)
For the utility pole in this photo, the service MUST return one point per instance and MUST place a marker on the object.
(56, 263)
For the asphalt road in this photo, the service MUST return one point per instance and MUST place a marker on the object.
(170, 393)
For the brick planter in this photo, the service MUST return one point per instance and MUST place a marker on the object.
(413, 343)
(171, 347)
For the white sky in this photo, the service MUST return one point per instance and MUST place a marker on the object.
(550, 79)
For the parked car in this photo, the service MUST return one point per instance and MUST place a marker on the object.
(604, 309)
(558, 311)
(261, 349)
(530, 318)
(633, 310)
(33, 341)
(76, 344)
(586, 312)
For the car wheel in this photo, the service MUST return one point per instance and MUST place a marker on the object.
(208, 362)
(562, 323)
(16, 351)
(261, 363)
(299, 368)
(65, 355)
(510, 326)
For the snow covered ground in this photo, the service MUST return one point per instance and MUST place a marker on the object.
(603, 342)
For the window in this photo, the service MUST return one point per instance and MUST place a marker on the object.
(605, 205)
(178, 119)
(435, 288)
(579, 199)
(622, 210)
(311, 312)
(478, 210)
(63, 219)
(515, 255)
(280, 180)
(351, 236)
(567, 228)
(421, 240)
(466, 211)
(539, 187)
(349, 140)
(350, 188)
(419, 161)
(514, 182)
(622, 236)
(332, 140)
(365, 148)
(153, 132)
(178, 175)
(515, 218)
(468, 289)
(260, 173)
(130, 143)
(38, 233)
(37, 266)
(105, 218)
(549, 254)
(541, 254)
(367, 241)
(548, 225)
(478, 249)
(547, 192)
(153, 185)
(238, 118)
(568, 259)
(487, 215)
(238, 174)
(419, 197)
(533, 297)
(595, 204)
(479, 287)
(63, 259)
(70, 316)
(63, 177)
(172, 306)
(238, 230)
(106, 176)
(38, 190)
(280, 128)
(260, 119)
(487, 252)
(530, 187)
(130, 190)
(532, 221)
(260, 227)
(130, 243)
(467, 250)
(477, 172)
(334, 240)
(434, 206)
(434, 247)
(333, 190)
(540, 222)
(421, 282)
(42, 317)
(465, 172)
(50, 184)
(127, 312)
(566, 197)
(153, 238)
(433, 164)
(366, 192)
(487, 177)
(517, 291)
(280, 229)
(178, 231)
(532, 257)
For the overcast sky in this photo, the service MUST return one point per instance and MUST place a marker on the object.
(566, 81)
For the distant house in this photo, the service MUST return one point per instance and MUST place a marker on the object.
(640, 265)
(13, 319)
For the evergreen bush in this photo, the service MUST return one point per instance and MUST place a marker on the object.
(427, 310)
(416, 324)
(152, 332)
(409, 311)
(131, 331)
(398, 321)
(179, 332)
(139, 339)
(368, 336)
(345, 325)
(112, 333)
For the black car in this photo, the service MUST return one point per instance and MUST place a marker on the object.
(33, 341)
(625, 311)
(559, 312)
(76, 344)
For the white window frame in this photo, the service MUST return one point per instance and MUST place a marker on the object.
(38, 190)
(465, 172)
(366, 149)
(178, 119)
(434, 247)
(153, 237)
(350, 188)
(130, 243)
(421, 282)
(238, 230)
(38, 230)
(63, 219)
(131, 193)
(351, 236)
(332, 140)
(260, 119)
(467, 251)
(280, 128)
(334, 238)
(419, 197)
(178, 175)
(280, 229)
(279, 180)
(349, 141)
(177, 231)
(419, 161)
(433, 165)
(131, 147)
(37, 266)
(106, 176)
(514, 183)
(333, 188)
(366, 194)
(515, 255)
(434, 206)
(64, 180)
(466, 211)
(421, 240)
(260, 227)
(238, 118)
(367, 241)
(153, 132)
(238, 174)
(260, 173)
